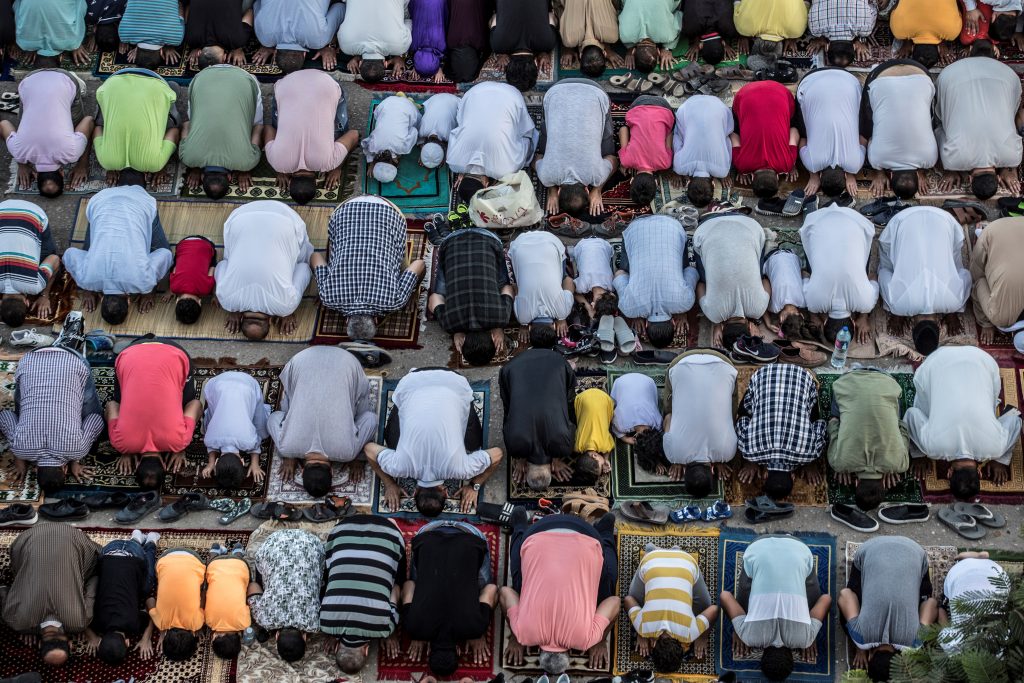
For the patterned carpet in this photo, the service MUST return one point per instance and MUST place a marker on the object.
(28, 490)
(110, 63)
(264, 184)
(97, 180)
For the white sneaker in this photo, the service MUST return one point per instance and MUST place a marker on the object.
(138, 537)
(152, 537)
(30, 338)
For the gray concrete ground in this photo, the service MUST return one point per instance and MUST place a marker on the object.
(435, 351)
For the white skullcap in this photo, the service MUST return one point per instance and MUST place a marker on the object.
(384, 173)
(432, 155)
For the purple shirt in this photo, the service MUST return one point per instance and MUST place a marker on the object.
(46, 136)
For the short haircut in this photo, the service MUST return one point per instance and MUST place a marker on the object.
(926, 336)
(643, 188)
(667, 655)
(54, 644)
(112, 650)
(698, 480)
(289, 61)
(840, 53)
(700, 191)
(50, 479)
(588, 468)
(478, 348)
(767, 48)
(291, 646)
(430, 502)
(833, 181)
(521, 72)
(926, 55)
(712, 51)
(982, 48)
(554, 663)
(50, 183)
(107, 37)
(649, 450)
(904, 184)
(361, 327)
(777, 663)
(350, 660)
(964, 483)
(574, 199)
(130, 176)
(216, 185)
(661, 334)
(731, 332)
(187, 311)
(833, 326)
(869, 494)
(543, 336)
(114, 308)
(880, 665)
(538, 477)
(646, 57)
(463, 64)
(13, 311)
(211, 55)
(372, 70)
(302, 188)
(228, 645)
(47, 62)
(778, 485)
(984, 185)
(317, 479)
(179, 644)
(469, 187)
(765, 184)
(592, 61)
(443, 660)
(1003, 27)
(148, 59)
(150, 473)
(256, 328)
(229, 473)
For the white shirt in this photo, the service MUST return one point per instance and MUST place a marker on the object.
(902, 138)
(538, 259)
(830, 103)
(954, 411)
(235, 420)
(837, 241)
(375, 29)
(636, 403)
(495, 133)
(433, 408)
(396, 123)
(439, 116)
(266, 260)
(702, 428)
(920, 267)
(706, 152)
(970, 575)
(593, 259)
(730, 249)
(996, 5)
(119, 260)
(783, 272)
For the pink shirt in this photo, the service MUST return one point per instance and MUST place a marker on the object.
(649, 147)
(46, 136)
(557, 609)
(306, 104)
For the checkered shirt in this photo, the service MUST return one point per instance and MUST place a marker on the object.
(473, 300)
(777, 430)
(842, 19)
(48, 429)
(366, 246)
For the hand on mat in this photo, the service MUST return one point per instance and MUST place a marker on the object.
(518, 470)
(700, 646)
(629, 62)
(751, 472)
(176, 462)
(971, 21)
(468, 498)
(82, 474)
(954, 323)
(41, 306)
(145, 648)
(477, 650)
(817, 45)
(596, 201)
(997, 473)
(643, 647)
(125, 464)
(987, 334)
(237, 57)
(860, 660)
(287, 324)
(813, 185)
(160, 177)
(851, 184)
(739, 648)
(333, 179)
(543, 61)
(417, 649)
(919, 467)
(16, 473)
(890, 480)
(92, 642)
(862, 327)
(498, 339)
(264, 55)
(392, 645)
(744, 179)
(356, 469)
(131, 55)
(501, 61)
(597, 656)
(79, 174)
(861, 51)
(560, 470)
(26, 174)
(640, 326)
(846, 478)
(680, 324)
(233, 323)
(29, 640)
(722, 470)
(515, 653)
(288, 466)
(146, 303)
(879, 185)
(810, 653)
(439, 77)
(194, 179)
(949, 180)
(561, 328)
(676, 472)
(792, 176)
(1009, 181)
(398, 66)
(329, 57)
(552, 203)
(568, 60)
(666, 59)
(812, 473)
(282, 182)
(170, 55)
(193, 59)
(330, 645)
(207, 471)
(392, 497)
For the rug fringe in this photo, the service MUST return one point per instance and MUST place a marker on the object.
(675, 531)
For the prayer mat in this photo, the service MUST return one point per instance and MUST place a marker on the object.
(902, 346)
(702, 543)
(181, 219)
(490, 71)
(680, 62)
(264, 184)
(1010, 560)
(407, 506)
(1002, 342)
(400, 329)
(28, 490)
(202, 667)
(936, 483)
(409, 81)
(403, 667)
(260, 663)
(62, 296)
(732, 544)
(109, 63)
(361, 493)
(513, 347)
(97, 180)
(66, 63)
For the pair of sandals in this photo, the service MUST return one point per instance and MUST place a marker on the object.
(970, 519)
(333, 507)
(587, 504)
(965, 212)
(10, 103)
(882, 210)
(615, 337)
(690, 80)
(764, 509)
(693, 513)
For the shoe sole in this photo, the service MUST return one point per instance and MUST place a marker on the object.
(903, 521)
(763, 212)
(851, 525)
(750, 356)
(22, 522)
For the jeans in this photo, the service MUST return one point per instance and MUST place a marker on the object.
(455, 526)
(603, 530)
(146, 552)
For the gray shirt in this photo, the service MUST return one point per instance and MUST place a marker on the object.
(730, 251)
(891, 571)
(576, 125)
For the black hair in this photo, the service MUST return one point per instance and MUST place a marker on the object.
(984, 185)
(148, 59)
(130, 176)
(661, 334)
(187, 311)
(646, 57)
(317, 478)
(606, 305)
(13, 311)
(840, 53)
(800, 327)
(927, 55)
(765, 183)
(112, 650)
(574, 199)
(229, 471)
(833, 181)
(982, 48)
(904, 184)
(700, 191)
(880, 665)
(215, 184)
(543, 336)
(47, 62)
(521, 72)
(766, 47)
(964, 483)
(289, 61)
(478, 349)
(228, 645)
(1003, 27)
(869, 494)
(51, 479)
(372, 70)
(114, 308)
(209, 56)
(712, 51)
(588, 469)
(291, 646)
(926, 336)
(430, 502)
(731, 332)
(49, 645)
(777, 663)
(698, 480)
(643, 188)
(463, 64)
(833, 326)
(667, 655)
(107, 37)
(48, 177)
(443, 660)
(179, 644)
(302, 188)
(469, 187)
(150, 473)
(592, 61)
(778, 485)
(649, 450)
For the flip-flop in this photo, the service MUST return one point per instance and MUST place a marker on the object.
(642, 511)
(631, 82)
(965, 525)
(223, 505)
(981, 514)
(282, 512)
(770, 507)
(241, 508)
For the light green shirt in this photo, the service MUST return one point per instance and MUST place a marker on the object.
(135, 109)
(222, 106)
(49, 27)
(869, 439)
(657, 20)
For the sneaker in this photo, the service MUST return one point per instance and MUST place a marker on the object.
(140, 506)
(138, 536)
(437, 229)
(844, 200)
(853, 518)
(152, 537)
(64, 510)
(608, 357)
(18, 514)
(30, 339)
(756, 349)
(772, 206)
(190, 502)
(904, 513)
(72, 334)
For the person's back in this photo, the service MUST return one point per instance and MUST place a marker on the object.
(151, 377)
(969, 576)
(730, 250)
(46, 136)
(842, 19)
(378, 25)
(830, 102)
(701, 139)
(473, 265)
(764, 111)
(180, 576)
(291, 565)
(869, 440)
(772, 20)
(535, 388)
(235, 420)
(153, 22)
(891, 569)
(668, 576)
(222, 102)
(656, 247)
(24, 237)
(289, 24)
(778, 614)
(778, 429)
(925, 22)
(995, 266)
(574, 120)
(901, 112)
(307, 102)
(837, 242)
(49, 27)
(537, 260)
(134, 108)
(701, 429)
(494, 132)
(657, 21)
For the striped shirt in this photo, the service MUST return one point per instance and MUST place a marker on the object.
(25, 241)
(668, 577)
(365, 560)
(152, 22)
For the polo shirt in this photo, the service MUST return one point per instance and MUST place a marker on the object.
(730, 249)
(152, 378)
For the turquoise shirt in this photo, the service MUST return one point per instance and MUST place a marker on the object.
(657, 20)
(49, 27)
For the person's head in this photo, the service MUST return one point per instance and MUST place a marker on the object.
(667, 654)
(574, 199)
(114, 308)
(426, 62)
(840, 53)
(430, 500)
(107, 37)
(431, 154)
(700, 191)
(833, 326)
(766, 48)
(592, 61)
(148, 59)
(212, 55)
(591, 465)
(650, 449)
(765, 183)
(50, 478)
(777, 663)
(712, 51)
(1003, 26)
(54, 651)
(646, 57)
(964, 483)
(372, 70)
(904, 184)
(543, 336)
(982, 48)
(113, 648)
(229, 471)
(255, 327)
(521, 72)
(538, 477)
(51, 183)
(698, 480)
(880, 664)
(317, 478)
(553, 663)
(227, 645)
(463, 64)
(478, 348)
(47, 62)
(149, 475)
(291, 645)
(302, 188)
(926, 55)
(926, 336)
(13, 310)
(443, 660)
(216, 184)
(732, 331)
(833, 181)
(361, 327)
(130, 176)
(469, 187)
(289, 61)
(351, 660)
(778, 485)
(643, 188)
(984, 185)
(179, 644)
(661, 334)
(188, 309)
(868, 494)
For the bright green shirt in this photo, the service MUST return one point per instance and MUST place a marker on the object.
(135, 108)
(222, 106)
(869, 439)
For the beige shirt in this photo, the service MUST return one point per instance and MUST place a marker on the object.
(997, 272)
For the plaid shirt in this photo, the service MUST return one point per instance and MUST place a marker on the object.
(777, 429)
(473, 263)
(842, 19)
(366, 246)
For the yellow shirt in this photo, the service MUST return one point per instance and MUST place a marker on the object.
(594, 409)
(771, 19)
(179, 580)
(227, 582)
(926, 22)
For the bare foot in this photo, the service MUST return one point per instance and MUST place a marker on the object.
(975, 554)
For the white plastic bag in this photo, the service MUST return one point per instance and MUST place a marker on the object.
(511, 203)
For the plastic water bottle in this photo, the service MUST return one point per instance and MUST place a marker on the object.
(248, 635)
(841, 349)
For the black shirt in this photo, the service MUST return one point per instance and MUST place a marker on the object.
(119, 596)
(538, 388)
(523, 25)
(474, 272)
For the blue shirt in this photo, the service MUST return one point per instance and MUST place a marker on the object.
(655, 287)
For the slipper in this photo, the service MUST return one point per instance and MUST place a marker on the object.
(653, 357)
(965, 525)
(673, 89)
(564, 225)
(755, 516)
(9, 96)
(965, 212)
(735, 72)
(1010, 206)
(691, 71)
(770, 507)
(981, 514)
(369, 355)
(801, 354)
(687, 513)
(794, 203)
(715, 86)
(282, 512)
(656, 78)
(717, 510)
(586, 504)
(606, 333)
(10, 107)
(223, 505)
(335, 507)
(624, 336)
(241, 508)
(642, 511)
(629, 81)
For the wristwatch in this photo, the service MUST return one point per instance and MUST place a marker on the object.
(476, 487)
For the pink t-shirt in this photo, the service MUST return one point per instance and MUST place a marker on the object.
(557, 609)
(151, 420)
(649, 147)
(46, 136)
(306, 104)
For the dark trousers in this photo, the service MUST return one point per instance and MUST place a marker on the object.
(603, 530)
(145, 552)
(189, 392)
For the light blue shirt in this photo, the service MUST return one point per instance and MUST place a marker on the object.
(657, 286)
(297, 24)
(49, 27)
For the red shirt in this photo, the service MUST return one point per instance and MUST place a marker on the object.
(151, 419)
(649, 128)
(764, 110)
(192, 260)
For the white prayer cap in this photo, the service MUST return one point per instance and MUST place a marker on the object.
(432, 155)
(384, 173)
(1018, 342)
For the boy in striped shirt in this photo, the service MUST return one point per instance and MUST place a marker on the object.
(28, 261)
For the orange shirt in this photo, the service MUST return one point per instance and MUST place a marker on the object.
(179, 579)
(226, 584)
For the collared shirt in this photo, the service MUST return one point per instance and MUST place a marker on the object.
(375, 29)
(655, 287)
(778, 430)
(367, 241)
(296, 24)
(995, 267)
(25, 241)
(291, 562)
(472, 262)
(842, 19)
(235, 420)
(48, 428)
(494, 132)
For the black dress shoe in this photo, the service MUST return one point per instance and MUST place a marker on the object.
(140, 506)
(65, 510)
(104, 499)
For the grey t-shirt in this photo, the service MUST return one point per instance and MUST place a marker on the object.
(575, 118)
(891, 571)
(730, 250)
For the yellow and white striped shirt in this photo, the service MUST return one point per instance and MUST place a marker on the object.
(668, 577)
